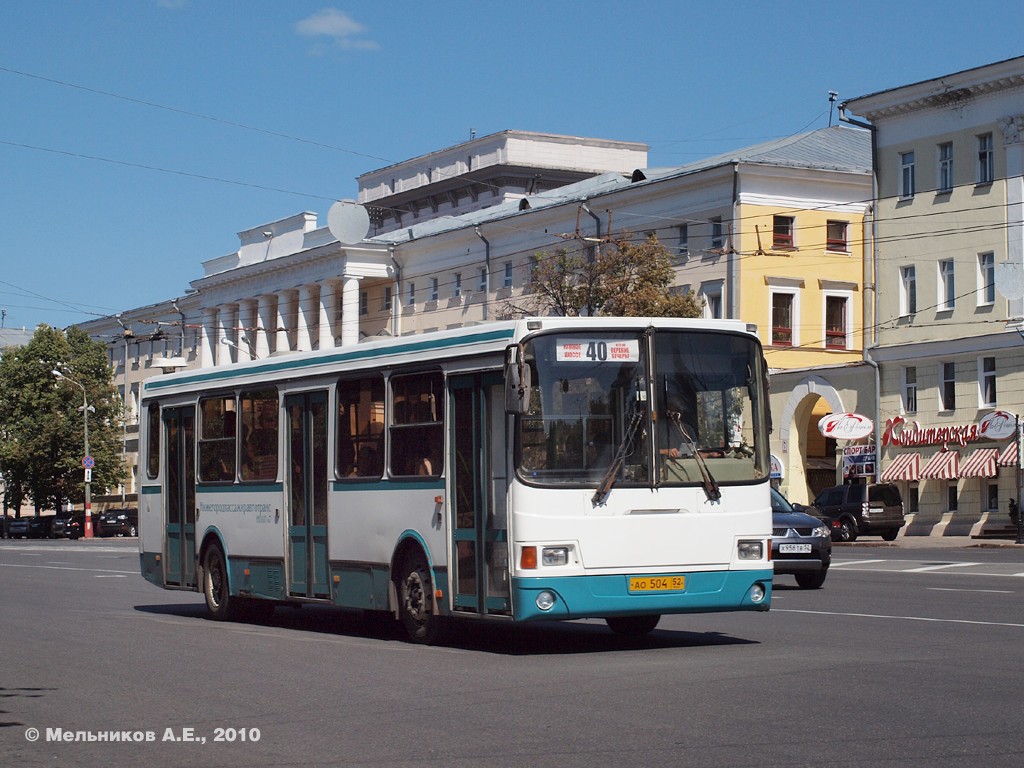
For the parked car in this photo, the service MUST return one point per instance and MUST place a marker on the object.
(117, 522)
(862, 509)
(801, 544)
(17, 528)
(69, 527)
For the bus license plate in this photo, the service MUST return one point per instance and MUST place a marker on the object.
(794, 549)
(656, 583)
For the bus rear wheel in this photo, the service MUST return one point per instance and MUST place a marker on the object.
(633, 626)
(219, 603)
(416, 601)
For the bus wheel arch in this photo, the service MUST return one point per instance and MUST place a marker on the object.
(413, 593)
(215, 581)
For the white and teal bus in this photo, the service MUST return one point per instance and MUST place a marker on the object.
(536, 469)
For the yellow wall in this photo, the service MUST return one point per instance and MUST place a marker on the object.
(809, 270)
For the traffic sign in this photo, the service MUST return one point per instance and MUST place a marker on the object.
(88, 462)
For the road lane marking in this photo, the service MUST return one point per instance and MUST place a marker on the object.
(840, 563)
(950, 589)
(904, 618)
(64, 568)
(939, 567)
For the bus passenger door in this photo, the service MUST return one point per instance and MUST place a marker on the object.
(180, 496)
(307, 494)
(479, 479)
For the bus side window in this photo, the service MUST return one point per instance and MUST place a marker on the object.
(217, 439)
(417, 436)
(361, 428)
(259, 411)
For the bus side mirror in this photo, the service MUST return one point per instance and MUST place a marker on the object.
(517, 381)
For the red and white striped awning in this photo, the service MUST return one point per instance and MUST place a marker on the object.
(906, 466)
(981, 463)
(1008, 458)
(941, 466)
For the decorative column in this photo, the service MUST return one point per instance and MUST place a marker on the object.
(285, 300)
(248, 320)
(207, 338)
(349, 311)
(224, 353)
(264, 322)
(328, 300)
(305, 319)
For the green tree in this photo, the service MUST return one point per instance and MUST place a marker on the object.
(42, 425)
(622, 279)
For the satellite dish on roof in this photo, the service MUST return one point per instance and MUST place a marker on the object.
(348, 221)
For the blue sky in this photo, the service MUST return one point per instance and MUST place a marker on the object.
(139, 136)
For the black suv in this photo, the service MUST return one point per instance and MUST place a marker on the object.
(861, 509)
(118, 522)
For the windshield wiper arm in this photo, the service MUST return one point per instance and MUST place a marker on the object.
(612, 474)
(714, 493)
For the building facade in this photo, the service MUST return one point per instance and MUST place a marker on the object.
(946, 330)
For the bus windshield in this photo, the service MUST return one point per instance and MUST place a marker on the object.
(671, 407)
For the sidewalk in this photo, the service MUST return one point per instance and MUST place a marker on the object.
(931, 542)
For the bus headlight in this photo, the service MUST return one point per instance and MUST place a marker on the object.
(545, 600)
(750, 549)
(555, 555)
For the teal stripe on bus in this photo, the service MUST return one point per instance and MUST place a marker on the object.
(340, 357)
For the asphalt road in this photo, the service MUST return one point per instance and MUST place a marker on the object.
(906, 657)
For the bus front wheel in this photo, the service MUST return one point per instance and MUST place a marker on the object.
(416, 601)
(633, 626)
(219, 603)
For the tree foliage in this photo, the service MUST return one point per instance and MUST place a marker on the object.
(41, 421)
(622, 279)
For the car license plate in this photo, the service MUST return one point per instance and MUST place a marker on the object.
(657, 583)
(794, 549)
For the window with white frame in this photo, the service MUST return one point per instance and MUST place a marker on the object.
(908, 290)
(907, 182)
(481, 284)
(987, 382)
(385, 301)
(837, 321)
(948, 390)
(411, 296)
(986, 279)
(434, 289)
(910, 389)
(986, 163)
(507, 282)
(711, 291)
(364, 302)
(836, 237)
(947, 288)
(683, 248)
(716, 232)
(945, 167)
(783, 319)
(457, 286)
(782, 231)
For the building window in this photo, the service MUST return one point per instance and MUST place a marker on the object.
(364, 302)
(948, 387)
(683, 249)
(482, 282)
(457, 287)
(951, 496)
(782, 319)
(835, 236)
(835, 322)
(782, 231)
(993, 497)
(946, 167)
(716, 232)
(986, 279)
(910, 389)
(433, 289)
(913, 500)
(385, 302)
(411, 299)
(906, 174)
(986, 165)
(987, 382)
(507, 283)
(908, 291)
(947, 289)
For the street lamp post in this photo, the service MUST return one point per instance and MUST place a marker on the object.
(88, 470)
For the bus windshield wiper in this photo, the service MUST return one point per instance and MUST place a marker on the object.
(711, 488)
(612, 474)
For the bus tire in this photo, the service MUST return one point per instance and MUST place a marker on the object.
(219, 603)
(416, 601)
(633, 626)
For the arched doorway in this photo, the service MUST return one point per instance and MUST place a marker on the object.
(808, 458)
